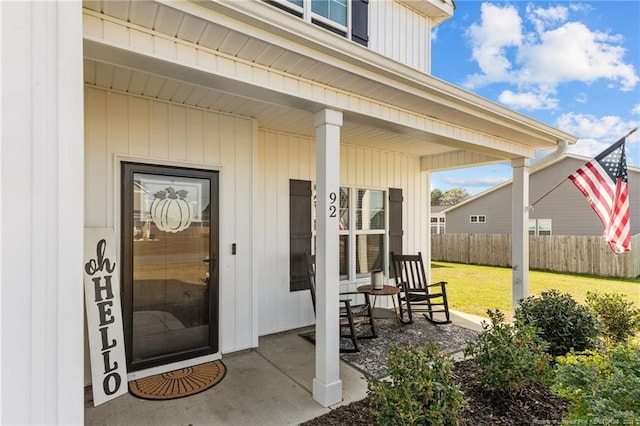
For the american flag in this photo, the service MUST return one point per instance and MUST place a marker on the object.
(603, 181)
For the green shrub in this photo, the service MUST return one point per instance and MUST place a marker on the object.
(618, 316)
(563, 323)
(421, 390)
(604, 388)
(510, 358)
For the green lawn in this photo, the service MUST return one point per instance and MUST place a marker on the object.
(474, 289)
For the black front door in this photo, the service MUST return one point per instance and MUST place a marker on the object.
(169, 263)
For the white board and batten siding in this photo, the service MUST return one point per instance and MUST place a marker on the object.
(400, 33)
(282, 157)
(121, 127)
(255, 168)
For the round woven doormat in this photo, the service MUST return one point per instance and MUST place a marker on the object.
(179, 383)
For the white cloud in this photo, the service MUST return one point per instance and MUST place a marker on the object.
(499, 29)
(555, 51)
(572, 52)
(580, 7)
(597, 133)
(588, 147)
(471, 182)
(636, 109)
(606, 128)
(528, 100)
(542, 18)
(582, 98)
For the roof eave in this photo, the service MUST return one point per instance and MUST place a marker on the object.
(355, 58)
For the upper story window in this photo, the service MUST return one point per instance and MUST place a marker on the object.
(335, 11)
(348, 18)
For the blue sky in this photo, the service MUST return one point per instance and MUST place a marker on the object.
(572, 65)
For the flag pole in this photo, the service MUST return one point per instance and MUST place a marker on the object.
(549, 191)
(632, 131)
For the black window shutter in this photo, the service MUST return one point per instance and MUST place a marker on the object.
(299, 233)
(395, 223)
(360, 21)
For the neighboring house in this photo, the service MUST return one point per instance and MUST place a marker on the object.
(238, 108)
(564, 211)
(438, 219)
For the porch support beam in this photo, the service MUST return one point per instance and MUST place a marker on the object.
(455, 160)
(520, 230)
(327, 386)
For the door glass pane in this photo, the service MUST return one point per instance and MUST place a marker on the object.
(369, 252)
(171, 247)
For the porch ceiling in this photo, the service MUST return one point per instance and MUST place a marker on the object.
(313, 56)
(270, 116)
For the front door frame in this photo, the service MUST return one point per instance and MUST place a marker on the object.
(127, 169)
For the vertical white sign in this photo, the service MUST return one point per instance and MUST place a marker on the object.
(104, 315)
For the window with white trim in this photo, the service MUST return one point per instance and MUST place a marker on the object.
(437, 225)
(331, 11)
(362, 231)
(348, 18)
(544, 226)
(540, 226)
(478, 218)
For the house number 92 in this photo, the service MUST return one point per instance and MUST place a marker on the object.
(332, 204)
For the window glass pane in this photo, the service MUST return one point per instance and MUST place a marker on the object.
(338, 11)
(344, 256)
(296, 2)
(344, 208)
(369, 209)
(482, 218)
(532, 227)
(369, 253)
(473, 219)
(434, 220)
(544, 226)
(321, 7)
(334, 10)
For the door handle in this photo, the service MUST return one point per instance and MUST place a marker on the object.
(212, 260)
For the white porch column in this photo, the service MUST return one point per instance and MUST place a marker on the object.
(520, 230)
(327, 386)
(42, 211)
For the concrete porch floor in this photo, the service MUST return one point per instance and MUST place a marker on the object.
(270, 385)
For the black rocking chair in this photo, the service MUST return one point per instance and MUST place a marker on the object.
(356, 320)
(415, 293)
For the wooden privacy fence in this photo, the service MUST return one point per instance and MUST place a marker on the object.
(560, 253)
